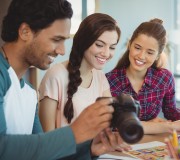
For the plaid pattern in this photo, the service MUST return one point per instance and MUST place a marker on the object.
(156, 94)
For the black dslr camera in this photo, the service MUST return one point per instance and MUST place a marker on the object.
(125, 119)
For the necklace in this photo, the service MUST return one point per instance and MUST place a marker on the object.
(5, 55)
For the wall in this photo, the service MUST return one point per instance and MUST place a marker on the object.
(130, 13)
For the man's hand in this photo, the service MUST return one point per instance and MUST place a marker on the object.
(108, 141)
(93, 120)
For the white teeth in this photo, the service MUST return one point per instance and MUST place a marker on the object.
(139, 62)
(51, 58)
(101, 59)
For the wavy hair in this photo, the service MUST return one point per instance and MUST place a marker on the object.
(153, 28)
(38, 14)
(89, 30)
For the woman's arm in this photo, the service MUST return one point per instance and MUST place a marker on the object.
(47, 113)
(151, 127)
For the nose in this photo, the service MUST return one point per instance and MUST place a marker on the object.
(141, 55)
(105, 52)
(60, 49)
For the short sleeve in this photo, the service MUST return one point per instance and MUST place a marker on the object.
(53, 82)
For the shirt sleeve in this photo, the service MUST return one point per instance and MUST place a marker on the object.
(51, 145)
(171, 112)
(51, 84)
(37, 128)
(83, 152)
(4, 86)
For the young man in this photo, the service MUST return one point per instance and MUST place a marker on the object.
(34, 32)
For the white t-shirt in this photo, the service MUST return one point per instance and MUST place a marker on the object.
(54, 85)
(20, 104)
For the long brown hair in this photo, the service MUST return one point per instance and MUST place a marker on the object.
(153, 28)
(89, 30)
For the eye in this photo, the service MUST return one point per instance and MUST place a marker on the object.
(150, 53)
(56, 40)
(112, 48)
(99, 45)
(136, 47)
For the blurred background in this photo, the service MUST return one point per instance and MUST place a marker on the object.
(128, 14)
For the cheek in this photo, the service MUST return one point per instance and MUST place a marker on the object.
(152, 59)
(133, 52)
(130, 56)
(111, 55)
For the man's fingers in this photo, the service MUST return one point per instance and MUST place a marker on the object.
(105, 141)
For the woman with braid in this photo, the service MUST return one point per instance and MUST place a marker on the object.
(68, 87)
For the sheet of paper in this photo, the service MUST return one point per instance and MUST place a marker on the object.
(112, 157)
(135, 147)
(147, 145)
(152, 150)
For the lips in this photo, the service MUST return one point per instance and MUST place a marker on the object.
(51, 58)
(101, 60)
(139, 62)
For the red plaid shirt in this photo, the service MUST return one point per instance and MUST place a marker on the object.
(157, 92)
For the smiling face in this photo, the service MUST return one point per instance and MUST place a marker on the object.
(143, 52)
(101, 51)
(45, 45)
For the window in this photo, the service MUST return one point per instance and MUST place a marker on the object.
(81, 8)
(177, 50)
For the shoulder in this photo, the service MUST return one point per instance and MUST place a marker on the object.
(5, 81)
(57, 75)
(160, 77)
(162, 73)
(56, 71)
(116, 73)
(57, 67)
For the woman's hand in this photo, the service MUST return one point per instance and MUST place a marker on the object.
(176, 126)
(108, 141)
(157, 119)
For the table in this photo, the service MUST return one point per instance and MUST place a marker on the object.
(146, 138)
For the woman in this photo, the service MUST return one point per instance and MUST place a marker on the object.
(68, 87)
(137, 73)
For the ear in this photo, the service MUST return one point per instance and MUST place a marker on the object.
(25, 32)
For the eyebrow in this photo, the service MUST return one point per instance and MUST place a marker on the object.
(148, 49)
(61, 37)
(104, 42)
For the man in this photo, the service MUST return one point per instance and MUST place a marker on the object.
(34, 32)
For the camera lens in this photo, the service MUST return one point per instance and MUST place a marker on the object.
(131, 132)
(130, 129)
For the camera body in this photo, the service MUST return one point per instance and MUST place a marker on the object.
(125, 118)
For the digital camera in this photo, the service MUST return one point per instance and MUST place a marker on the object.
(125, 118)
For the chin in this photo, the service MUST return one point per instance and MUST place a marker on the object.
(99, 68)
(43, 67)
